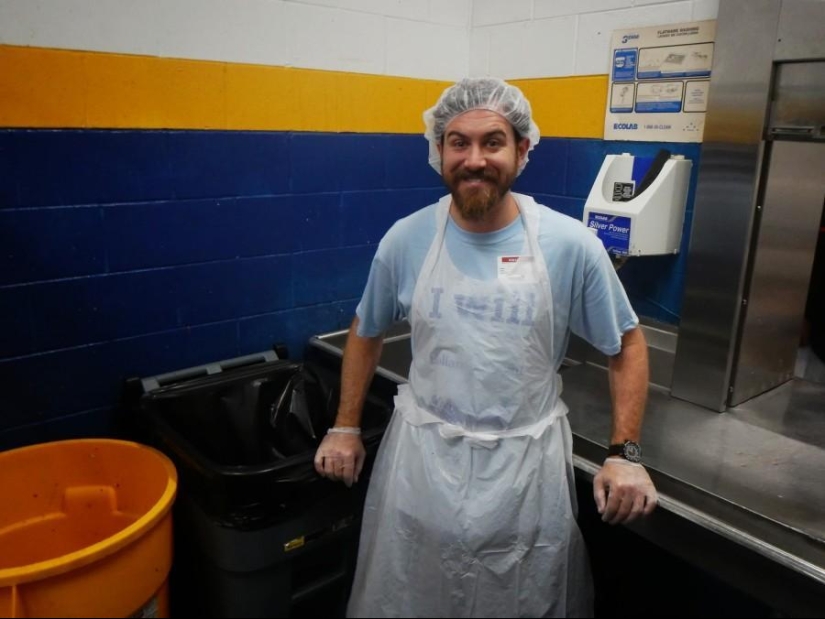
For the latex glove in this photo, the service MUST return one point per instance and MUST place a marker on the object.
(340, 457)
(623, 491)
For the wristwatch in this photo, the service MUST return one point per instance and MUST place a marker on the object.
(628, 450)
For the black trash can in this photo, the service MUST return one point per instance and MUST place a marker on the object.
(257, 532)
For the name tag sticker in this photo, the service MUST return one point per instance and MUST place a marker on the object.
(516, 269)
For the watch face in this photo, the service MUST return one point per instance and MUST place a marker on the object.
(632, 452)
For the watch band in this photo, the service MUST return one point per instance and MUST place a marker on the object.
(617, 449)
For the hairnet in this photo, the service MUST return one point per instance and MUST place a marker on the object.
(479, 93)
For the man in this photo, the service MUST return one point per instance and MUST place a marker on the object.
(471, 505)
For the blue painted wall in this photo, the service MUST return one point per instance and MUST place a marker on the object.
(133, 253)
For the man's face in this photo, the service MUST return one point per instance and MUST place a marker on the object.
(480, 161)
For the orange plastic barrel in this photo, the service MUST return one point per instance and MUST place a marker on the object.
(85, 530)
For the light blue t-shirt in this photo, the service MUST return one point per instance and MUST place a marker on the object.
(588, 298)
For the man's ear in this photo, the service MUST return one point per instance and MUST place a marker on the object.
(521, 148)
(440, 146)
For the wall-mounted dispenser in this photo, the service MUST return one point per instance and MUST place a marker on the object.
(639, 217)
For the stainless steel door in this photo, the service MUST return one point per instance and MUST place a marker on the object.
(781, 268)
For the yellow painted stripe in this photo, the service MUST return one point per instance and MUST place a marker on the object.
(568, 107)
(72, 89)
(39, 88)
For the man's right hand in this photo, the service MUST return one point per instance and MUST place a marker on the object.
(340, 457)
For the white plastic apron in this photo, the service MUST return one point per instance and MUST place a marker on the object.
(470, 510)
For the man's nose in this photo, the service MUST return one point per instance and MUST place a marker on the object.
(475, 158)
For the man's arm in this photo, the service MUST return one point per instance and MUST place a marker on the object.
(341, 456)
(361, 355)
(623, 490)
(629, 373)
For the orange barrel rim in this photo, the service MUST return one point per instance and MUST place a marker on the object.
(156, 502)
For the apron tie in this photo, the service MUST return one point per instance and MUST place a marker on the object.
(416, 415)
(478, 439)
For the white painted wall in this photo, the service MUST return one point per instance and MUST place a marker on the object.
(413, 38)
(555, 38)
(434, 39)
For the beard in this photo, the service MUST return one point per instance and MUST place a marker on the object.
(474, 202)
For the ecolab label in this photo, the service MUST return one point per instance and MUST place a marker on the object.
(626, 126)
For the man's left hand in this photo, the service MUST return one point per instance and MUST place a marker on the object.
(623, 491)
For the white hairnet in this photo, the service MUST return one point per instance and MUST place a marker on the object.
(479, 93)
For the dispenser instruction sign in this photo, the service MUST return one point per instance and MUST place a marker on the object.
(659, 82)
(612, 230)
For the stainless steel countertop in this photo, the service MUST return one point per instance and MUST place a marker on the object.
(755, 474)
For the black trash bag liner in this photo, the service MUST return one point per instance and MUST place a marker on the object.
(240, 419)
(300, 415)
(274, 417)
(243, 439)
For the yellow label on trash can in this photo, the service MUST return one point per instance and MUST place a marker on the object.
(294, 543)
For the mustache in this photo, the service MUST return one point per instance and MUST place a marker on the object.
(483, 175)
